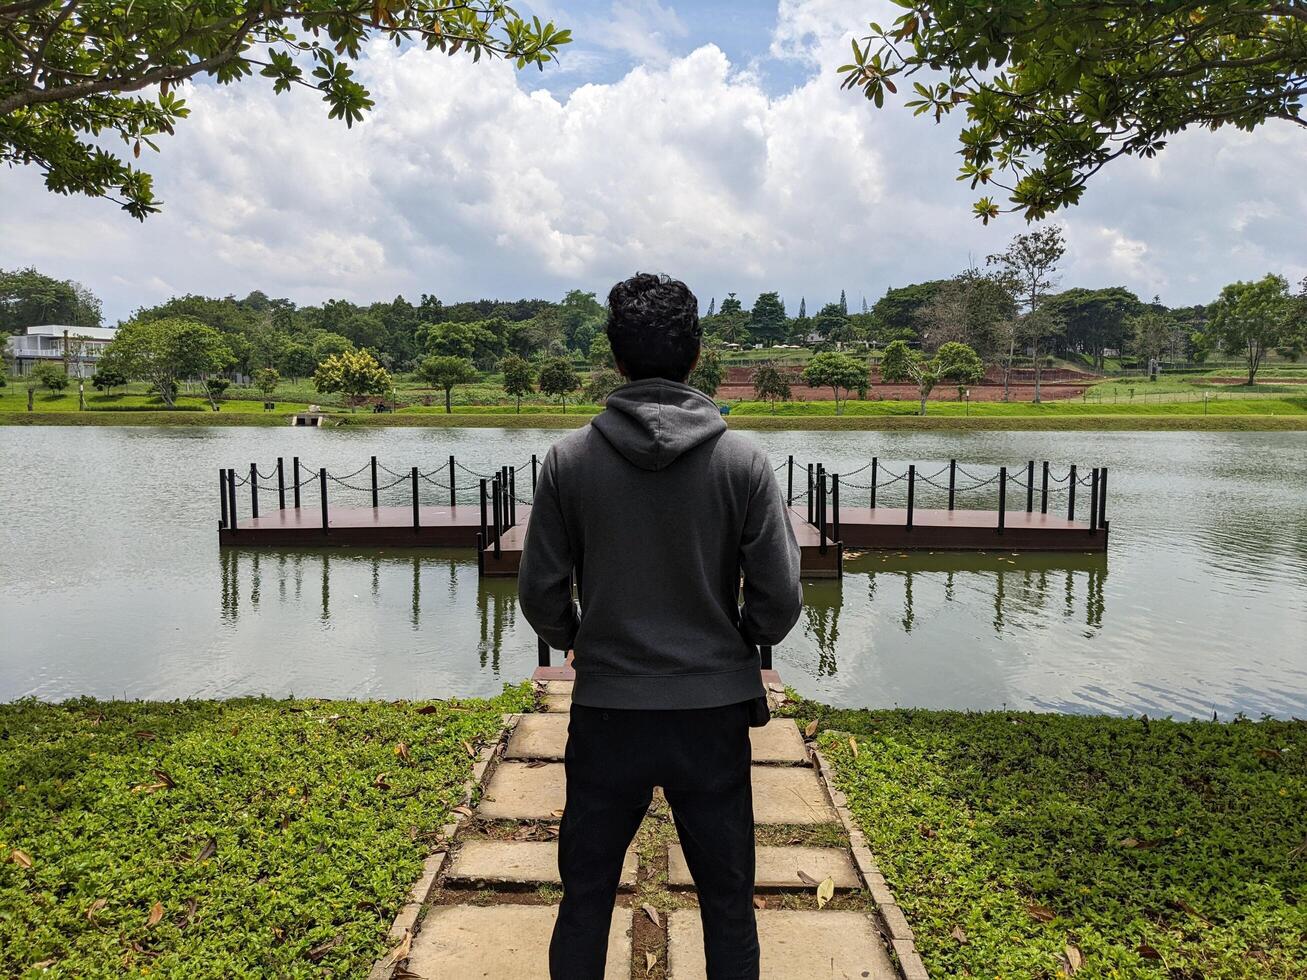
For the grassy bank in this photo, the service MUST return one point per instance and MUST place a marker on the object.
(1150, 849)
(1121, 421)
(220, 839)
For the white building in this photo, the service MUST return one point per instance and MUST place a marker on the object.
(53, 342)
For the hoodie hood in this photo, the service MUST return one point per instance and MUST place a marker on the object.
(652, 422)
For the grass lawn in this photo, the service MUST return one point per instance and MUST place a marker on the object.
(221, 838)
(1153, 849)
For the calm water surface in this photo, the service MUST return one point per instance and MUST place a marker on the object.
(112, 583)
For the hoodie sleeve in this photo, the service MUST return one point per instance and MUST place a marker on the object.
(769, 558)
(544, 578)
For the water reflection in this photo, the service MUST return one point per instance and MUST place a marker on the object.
(1019, 589)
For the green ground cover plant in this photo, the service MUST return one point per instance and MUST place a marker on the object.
(235, 838)
(1028, 845)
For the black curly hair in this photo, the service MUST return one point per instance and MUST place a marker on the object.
(653, 327)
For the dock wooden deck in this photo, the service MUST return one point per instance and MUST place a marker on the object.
(965, 530)
(361, 527)
(814, 561)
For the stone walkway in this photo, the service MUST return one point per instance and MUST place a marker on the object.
(486, 905)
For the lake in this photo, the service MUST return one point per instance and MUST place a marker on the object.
(112, 583)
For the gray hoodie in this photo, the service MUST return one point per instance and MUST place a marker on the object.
(660, 510)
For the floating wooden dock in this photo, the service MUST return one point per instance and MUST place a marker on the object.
(494, 524)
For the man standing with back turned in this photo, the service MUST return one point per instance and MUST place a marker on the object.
(658, 511)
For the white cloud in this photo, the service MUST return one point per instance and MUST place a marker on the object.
(464, 183)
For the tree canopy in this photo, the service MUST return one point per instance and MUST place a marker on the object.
(29, 298)
(1053, 92)
(166, 352)
(1256, 318)
(445, 371)
(952, 362)
(837, 371)
(354, 373)
(75, 71)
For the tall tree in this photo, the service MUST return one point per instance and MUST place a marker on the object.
(708, 372)
(444, 371)
(30, 299)
(803, 308)
(1096, 319)
(519, 378)
(355, 374)
(1151, 333)
(832, 323)
(558, 380)
(896, 311)
(844, 304)
(952, 362)
(166, 352)
(1053, 92)
(839, 372)
(770, 384)
(1030, 264)
(75, 71)
(767, 319)
(1257, 318)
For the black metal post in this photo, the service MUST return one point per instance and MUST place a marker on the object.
(503, 491)
(452, 493)
(322, 496)
(254, 490)
(485, 530)
(764, 656)
(281, 483)
(1043, 495)
(1071, 495)
(821, 509)
(222, 496)
(1102, 497)
(231, 501)
(512, 496)
(1093, 502)
(1002, 498)
(912, 491)
(498, 516)
(952, 481)
(417, 519)
(811, 506)
(374, 481)
(789, 482)
(1030, 487)
(534, 468)
(295, 479)
(481, 552)
(875, 467)
(835, 505)
(542, 651)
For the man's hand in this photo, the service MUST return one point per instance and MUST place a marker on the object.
(571, 655)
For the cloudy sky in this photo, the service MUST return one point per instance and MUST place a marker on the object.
(709, 140)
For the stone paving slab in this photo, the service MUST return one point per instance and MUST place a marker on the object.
(789, 795)
(538, 737)
(559, 703)
(518, 791)
(778, 741)
(779, 867)
(561, 688)
(544, 736)
(497, 942)
(795, 945)
(501, 861)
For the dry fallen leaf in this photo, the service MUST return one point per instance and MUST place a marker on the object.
(20, 858)
(807, 879)
(428, 709)
(401, 951)
(1147, 952)
(652, 912)
(209, 849)
(811, 728)
(1041, 912)
(1074, 959)
(95, 907)
(469, 749)
(380, 781)
(650, 959)
(401, 750)
(853, 746)
(156, 914)
(958, 933)
(322, 949)
(825, 892)
(759, 902)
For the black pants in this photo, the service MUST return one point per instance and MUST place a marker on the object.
(614, 759)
